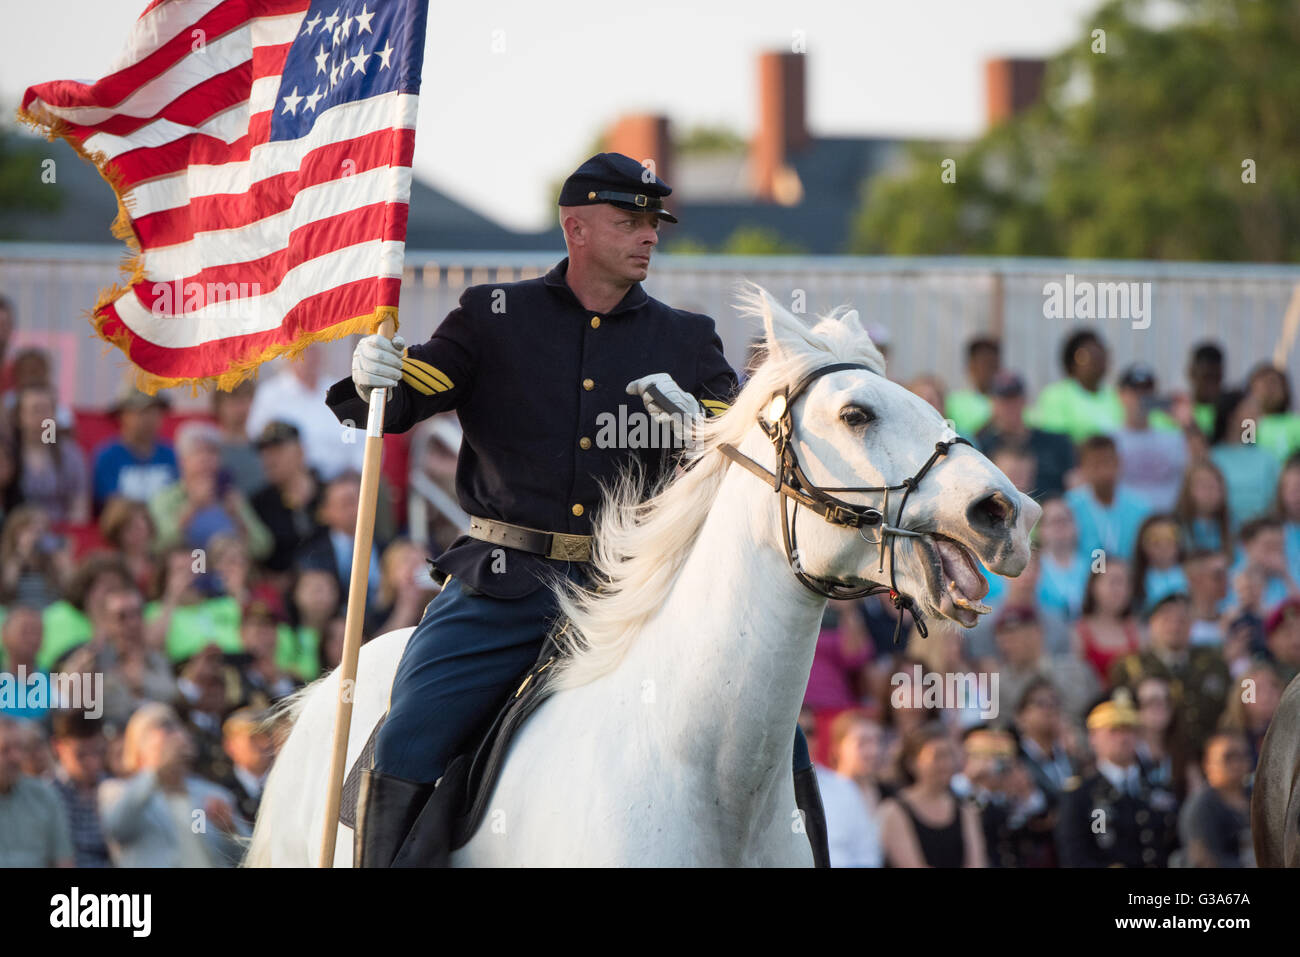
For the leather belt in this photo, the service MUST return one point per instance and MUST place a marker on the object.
(557, 545)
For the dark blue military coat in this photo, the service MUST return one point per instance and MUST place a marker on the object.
(538, 382)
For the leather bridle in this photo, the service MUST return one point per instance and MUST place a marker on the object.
(792, 484)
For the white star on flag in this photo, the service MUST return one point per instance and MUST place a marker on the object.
(311, 24)
(291, 103)
(363, 21)
(321, 58)
(332, 19)
(384, 54)
(359, 61)
(312, 99)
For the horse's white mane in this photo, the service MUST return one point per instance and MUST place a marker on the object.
(639, 544)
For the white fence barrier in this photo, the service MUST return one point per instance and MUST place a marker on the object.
(930, 307)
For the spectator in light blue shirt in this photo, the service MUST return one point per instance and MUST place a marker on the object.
(1287, 507)
(1062, 569)
(1106, 513)
(1263, 547)
(1157, 566)
(1250, 470)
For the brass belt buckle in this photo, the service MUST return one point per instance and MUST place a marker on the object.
(570, 548)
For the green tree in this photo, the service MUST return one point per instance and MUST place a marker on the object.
(21, 187)
(1141, 151)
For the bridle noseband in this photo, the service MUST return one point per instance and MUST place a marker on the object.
(792, 484)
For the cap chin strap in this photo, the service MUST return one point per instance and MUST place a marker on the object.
(792, 484)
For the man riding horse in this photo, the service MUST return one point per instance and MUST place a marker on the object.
(533, 369)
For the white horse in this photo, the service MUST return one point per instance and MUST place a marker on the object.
(670, 738)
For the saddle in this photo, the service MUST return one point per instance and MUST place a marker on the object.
(455, 809)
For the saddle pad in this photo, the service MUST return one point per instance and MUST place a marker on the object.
(352, 784)
(477, 765)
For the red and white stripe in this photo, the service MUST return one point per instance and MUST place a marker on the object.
(315, 226)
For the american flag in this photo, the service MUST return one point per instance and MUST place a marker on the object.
(261, 153)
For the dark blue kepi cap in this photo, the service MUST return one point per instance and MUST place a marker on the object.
(618, 180)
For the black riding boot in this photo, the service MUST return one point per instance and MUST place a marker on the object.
(808, 798)
(387, 806)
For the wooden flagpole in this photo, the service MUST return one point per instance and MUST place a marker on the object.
(356, 614)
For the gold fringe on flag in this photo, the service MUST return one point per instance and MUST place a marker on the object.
(132, 269)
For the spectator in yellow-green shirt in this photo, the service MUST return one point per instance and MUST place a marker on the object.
(1278, 429)
(970, 409)
(1079, 406)
(74, 619)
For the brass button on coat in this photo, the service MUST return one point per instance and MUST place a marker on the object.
(584, 442)
(578, 510)
(595, 322)
(588, 384)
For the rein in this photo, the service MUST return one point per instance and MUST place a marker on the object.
(792, 485)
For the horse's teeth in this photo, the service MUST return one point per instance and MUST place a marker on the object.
(959, 599)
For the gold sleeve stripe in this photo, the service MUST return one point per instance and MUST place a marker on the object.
(433, 373)
(418, 385)
(714, 407)
(421, 381)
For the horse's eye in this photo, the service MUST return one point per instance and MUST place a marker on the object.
(855, 416)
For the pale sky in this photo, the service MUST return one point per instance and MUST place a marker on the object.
(496, 128)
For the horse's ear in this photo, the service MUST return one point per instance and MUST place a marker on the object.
(851, 320)
(785, 334)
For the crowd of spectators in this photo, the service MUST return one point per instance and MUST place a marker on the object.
(198, 563)
(195, 562)
(1138, 659)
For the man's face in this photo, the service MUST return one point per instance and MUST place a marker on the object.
(1268, 550)
(1021, 644)
(616, 242)
(124, 615)
(83, 759)
(142, 425)
(259, 637)
(22, 635)
(1206, 378)
(1116, 745)
(232, 409)
(339, 510)
(1100, 468)
(1171, 626)
(1009, 412)
(1207, 577)
(983, 366)
(1041, 716)
(1133, 399)
(281, 460)
(1090, 362)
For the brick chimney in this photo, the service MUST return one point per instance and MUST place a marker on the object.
(644, 136)
(782, 130)
(1011, 85)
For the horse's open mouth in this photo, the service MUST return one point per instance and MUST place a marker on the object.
(956, 584)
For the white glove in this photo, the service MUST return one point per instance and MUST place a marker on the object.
(685, 402)
(377, 364)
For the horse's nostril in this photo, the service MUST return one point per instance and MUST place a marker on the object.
(993, 511)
